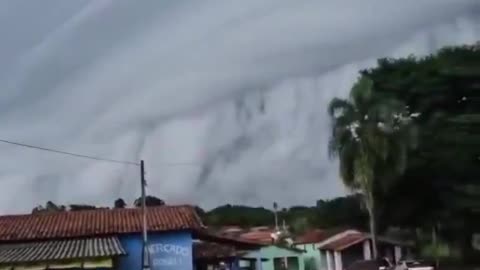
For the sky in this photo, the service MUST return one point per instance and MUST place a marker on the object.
(224, 100)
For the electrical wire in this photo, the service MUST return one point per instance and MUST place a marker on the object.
(70, 153)
(192, 164)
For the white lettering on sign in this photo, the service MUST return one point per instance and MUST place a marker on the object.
(171, 261)
(169, 249)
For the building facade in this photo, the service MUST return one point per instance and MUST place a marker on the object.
(309, 242)
(103, 239)
(338, 248)
(341, 250)
(279, 258)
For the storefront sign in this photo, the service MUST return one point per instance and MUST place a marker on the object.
(172, 253)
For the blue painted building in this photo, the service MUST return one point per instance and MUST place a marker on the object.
(167, 250)
(103, 239)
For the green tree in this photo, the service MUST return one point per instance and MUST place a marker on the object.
(119, 203)
(344, 212)
(82, 207)
(444, 169)
(149, 201)
(371, 135)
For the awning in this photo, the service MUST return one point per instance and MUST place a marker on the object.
(60, 250)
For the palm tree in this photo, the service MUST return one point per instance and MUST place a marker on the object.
(371, 135)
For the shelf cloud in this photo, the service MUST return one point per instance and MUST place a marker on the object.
(224, 100)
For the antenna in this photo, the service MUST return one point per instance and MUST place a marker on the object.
(275, 207)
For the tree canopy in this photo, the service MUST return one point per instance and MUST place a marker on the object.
(338, 212)
(440, 186)
(371, 135)
(444, 170)
(149, 201)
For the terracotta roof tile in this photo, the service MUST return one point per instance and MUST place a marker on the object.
(214, 250)
(96, 222)
(344, 242)
(317, 235)
(264, 237)
(313, 236)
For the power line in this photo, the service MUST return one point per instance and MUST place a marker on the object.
(188, 164)
(71, 154)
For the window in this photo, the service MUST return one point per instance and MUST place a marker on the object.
(279, 264)
(292, 263)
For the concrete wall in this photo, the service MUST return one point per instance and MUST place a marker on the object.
(170, 251)
(274, 254)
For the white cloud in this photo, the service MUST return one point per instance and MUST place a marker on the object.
(237, 87)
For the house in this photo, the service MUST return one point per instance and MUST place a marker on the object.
(211, 255)
(274, 254)
(309, 242)
(104, 239)
(276, 257)
(343, 249)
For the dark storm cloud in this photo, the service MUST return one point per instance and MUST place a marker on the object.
(234, 90)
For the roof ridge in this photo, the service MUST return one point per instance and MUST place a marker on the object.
(56, 225)
(66, 212)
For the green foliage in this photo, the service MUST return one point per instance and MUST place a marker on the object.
(239, 215)
(343, 212)
(82, 207)
(445, 89)
(119, 203)
(441, 184)
(439, 250)
(149, 201)
(371, 136)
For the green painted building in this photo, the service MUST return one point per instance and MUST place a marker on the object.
(277, 256)
(312, 257)
(310, 242)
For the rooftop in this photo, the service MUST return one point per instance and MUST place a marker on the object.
(313, 236)
(264, 237)
(350, 238)
(318, 235)
(207, 250)
(55, 225)
(47, 251)
(345, 241)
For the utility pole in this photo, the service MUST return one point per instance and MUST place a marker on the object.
(275, 206)
(145, 255)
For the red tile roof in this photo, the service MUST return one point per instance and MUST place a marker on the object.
(210, 236)
(264, 237)
(318, 235)
(96, 222)
(214, 250)
(345, 241)
(312, 236)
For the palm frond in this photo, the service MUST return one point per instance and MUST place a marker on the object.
(339, 105)
(361, 92)
(332, 147)
(378, 150)
(347, 155)
(377, 141)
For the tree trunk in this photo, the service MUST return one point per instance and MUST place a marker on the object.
(373, 226)
(435, 246)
